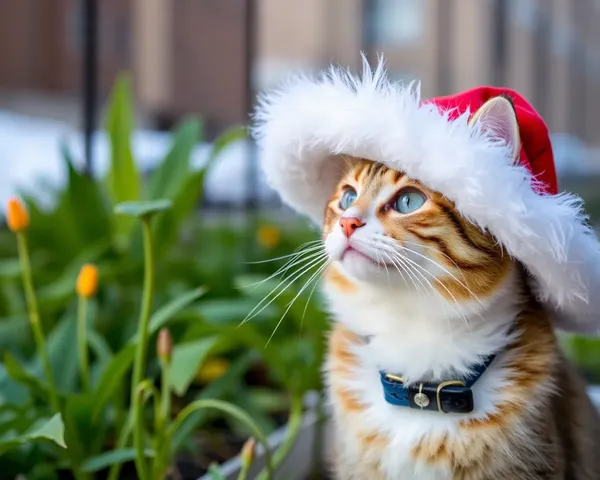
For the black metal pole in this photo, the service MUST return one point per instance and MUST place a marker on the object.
(251, 200)
(444, 80)
(89, 77)
(368, 30)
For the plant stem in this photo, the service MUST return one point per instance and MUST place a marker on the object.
(293, 428)
(244, 471)
(34, 318)
(142, 345)
(165, 392)
(113, 473)
(82, 343)
(163, 448)
(229, 409)
(142, 340)
(138, 435)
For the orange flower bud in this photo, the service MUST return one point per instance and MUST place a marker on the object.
(87, 281)
(269, 236)
(17, 216)
(164, 345)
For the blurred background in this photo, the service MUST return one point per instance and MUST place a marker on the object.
(103, 101)
(59, 59)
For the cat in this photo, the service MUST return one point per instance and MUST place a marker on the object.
(415, 288)
(452, 258)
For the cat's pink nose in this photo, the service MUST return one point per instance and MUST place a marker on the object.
(350, 224)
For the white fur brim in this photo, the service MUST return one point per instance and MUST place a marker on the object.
(302, 128)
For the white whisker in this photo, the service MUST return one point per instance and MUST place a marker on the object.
(303, 270)
(301, 257)
(314, 275)
(445, 270)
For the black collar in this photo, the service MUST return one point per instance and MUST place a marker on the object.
(453, 396)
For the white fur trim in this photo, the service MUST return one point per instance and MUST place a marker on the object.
(302, 126)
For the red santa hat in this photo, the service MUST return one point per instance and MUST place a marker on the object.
(305, 127)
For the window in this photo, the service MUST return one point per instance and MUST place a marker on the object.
(395, 23)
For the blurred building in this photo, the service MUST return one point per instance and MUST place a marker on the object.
(189, 56)
(546, 49)
(186, 56)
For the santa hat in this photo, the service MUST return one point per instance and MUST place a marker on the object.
(305, 127)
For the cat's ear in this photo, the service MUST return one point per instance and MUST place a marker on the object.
(498, 117)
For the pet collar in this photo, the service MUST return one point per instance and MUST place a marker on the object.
(452, 396)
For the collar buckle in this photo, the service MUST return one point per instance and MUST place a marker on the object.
(447, 397)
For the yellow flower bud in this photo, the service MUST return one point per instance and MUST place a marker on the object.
(164, 345)
(268, 236)
(212, 369)
(87, 281)
(17, 216)
(248, 452)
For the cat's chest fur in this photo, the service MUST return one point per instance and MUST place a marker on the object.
(399, 334)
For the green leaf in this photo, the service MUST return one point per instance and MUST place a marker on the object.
(53, 430)
(88, 206)
(83, 435)
(190, 192)
(112, 377)
(187, 358)
(11, 391)
(14, 331)
(220, 388)
(62, 352)
(22, 376)
(232, 311)
(99, 346)
(143, 209)
(228, 137)
(215, 472)
(168, 227)
(170, 175)
(107, 459)
(231, 411)
(10, 269)
(162, 316)
(123, 177)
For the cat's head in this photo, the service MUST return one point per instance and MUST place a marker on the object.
(384, 229)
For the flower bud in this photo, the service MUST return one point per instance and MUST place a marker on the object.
(87, 281)
(248, 452)
(16, 216)
(164, 345)
(269, 236)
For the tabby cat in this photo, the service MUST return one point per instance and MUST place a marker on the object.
(451, 258)
(417, 289)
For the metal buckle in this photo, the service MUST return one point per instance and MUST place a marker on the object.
(447, 397)
(394, 378)
(456, 383)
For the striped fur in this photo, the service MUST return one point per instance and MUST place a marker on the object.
(427, 294)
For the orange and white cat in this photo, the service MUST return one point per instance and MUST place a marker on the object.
(452, 259)
(415, 288)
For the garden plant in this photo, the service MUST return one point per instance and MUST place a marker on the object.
(124, 354)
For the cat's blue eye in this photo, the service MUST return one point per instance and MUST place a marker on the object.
(348, 198)
(409, 201)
